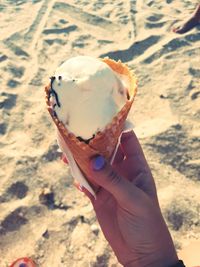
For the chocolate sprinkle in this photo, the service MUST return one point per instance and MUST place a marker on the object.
(127, 94)
(85, 140)
(53, 92)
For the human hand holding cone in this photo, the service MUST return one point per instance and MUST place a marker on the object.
(104, 141)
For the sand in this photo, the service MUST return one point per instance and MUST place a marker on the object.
(42, 215)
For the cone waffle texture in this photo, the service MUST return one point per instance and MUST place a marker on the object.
(104, 142)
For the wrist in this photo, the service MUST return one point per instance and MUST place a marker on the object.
(165, 262)
(179, 263)
(166, 256)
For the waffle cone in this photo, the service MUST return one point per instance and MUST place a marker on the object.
(104, 142)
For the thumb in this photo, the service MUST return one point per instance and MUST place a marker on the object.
(104, 175)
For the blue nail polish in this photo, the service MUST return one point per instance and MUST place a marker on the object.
(98, 163)
(23, 265)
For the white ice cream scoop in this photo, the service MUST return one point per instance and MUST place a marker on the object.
(86, 95)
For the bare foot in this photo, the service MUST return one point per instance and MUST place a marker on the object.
(189, 25)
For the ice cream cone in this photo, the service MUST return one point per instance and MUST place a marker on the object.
(103, 142)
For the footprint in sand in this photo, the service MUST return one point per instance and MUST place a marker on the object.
(150, 3)
(13, 221)
(102, 260)
(37, 79)
(7, 101)
(85, 17)
(98, 5)
(3, 128)
(135, 50)
(195, 37)
(61, 30)
(18, 51)
(3, 57)
(195, 95)
(104, 42)
(153, 21)
(55, 41)
(48, 198)
(18, 190)
(19, 217)
(17, 2)
(150, 25)
(176, 148)
(13, 83)
(194, 72)
(16, 71)
(82, 41)
(63, 21)
(52, 153)
(167, 48)
(179, 214)
(155, 17)
(173, 45)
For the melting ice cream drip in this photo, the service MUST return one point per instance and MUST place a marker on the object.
(53, 92)
(85, 140)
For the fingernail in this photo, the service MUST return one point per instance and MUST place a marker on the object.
(98, 162)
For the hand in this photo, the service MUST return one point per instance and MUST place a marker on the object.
(127, 208)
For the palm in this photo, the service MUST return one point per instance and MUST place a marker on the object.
(107, 215)
(114, 219)
(128, 211)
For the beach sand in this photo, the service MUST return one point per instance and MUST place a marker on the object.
(42, 215)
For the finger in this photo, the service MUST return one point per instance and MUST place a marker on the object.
(135, 167)
(106, 177)
(120, 153)
(144, 182)
(87, 193)
(130, 144)
(119, 156)
(134, 153)
(135, 162)
(83, 190)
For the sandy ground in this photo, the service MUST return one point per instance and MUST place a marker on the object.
(42, 215)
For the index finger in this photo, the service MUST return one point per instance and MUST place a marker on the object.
(130, 145)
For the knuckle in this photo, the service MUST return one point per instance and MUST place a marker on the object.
(113, 178)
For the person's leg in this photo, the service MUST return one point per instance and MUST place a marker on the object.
(189, 24)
